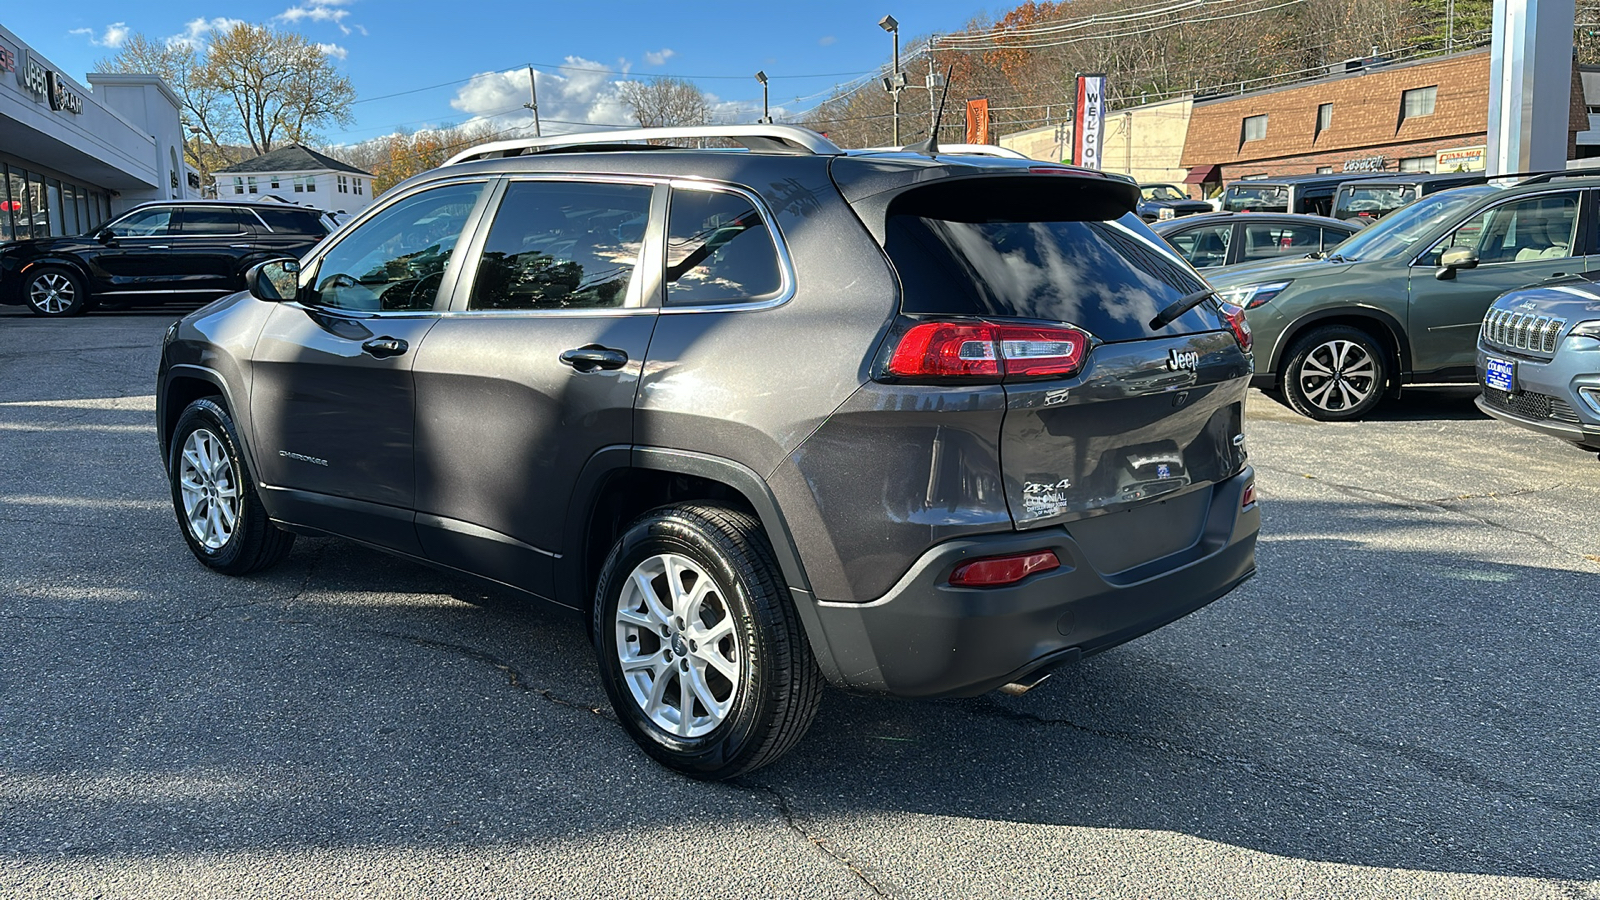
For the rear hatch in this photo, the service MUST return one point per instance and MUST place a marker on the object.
(1371, 202)
(1125, 419)
(1256, 197)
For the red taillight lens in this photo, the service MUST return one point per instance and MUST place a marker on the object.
(999, 570)
(985, 351)
(1249, 496)
(1239, 325)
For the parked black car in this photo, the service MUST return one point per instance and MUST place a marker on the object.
(1159, 202)
(917, 424)
(193, 249)
(1370, 199)
(1222, 239)
(1307, 194)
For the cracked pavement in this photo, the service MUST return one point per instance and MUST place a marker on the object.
(1402, 704)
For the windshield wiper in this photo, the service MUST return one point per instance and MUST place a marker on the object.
(1179, 307)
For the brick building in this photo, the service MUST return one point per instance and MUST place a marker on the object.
(1387, 118)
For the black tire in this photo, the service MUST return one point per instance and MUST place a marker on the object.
(54, 292)
(253, 543)
(1336, 373)
(772, 704)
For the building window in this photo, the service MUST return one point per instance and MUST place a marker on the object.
(274, 182)
(1324, 170)
(1324, 119)
(1417, 102)
(250, 184)
(1255, 128)
(358, 185)
(344, 184)
(238, 185)
(1416, 164)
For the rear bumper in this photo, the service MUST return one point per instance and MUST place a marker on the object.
(926, 638)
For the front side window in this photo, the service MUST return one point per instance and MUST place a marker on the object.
(1255, 128)
(155, 222)
(1418, 102)
(1521, 231)
(562, 245)
(718, 250)
(1204, 247)
(396, 260)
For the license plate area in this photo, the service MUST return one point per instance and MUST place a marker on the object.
(1500, 374)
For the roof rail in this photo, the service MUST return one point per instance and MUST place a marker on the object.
(1542, 177)
(766, 138)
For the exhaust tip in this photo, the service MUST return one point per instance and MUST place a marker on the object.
(1023, 685)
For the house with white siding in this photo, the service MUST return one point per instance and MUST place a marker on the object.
(298, 175)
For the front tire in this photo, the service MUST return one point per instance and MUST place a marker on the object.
(701, 651)
(219, 513)
(55, 293)
(1335, 374)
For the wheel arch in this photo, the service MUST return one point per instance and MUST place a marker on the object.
(1379, 323)
(184, 384)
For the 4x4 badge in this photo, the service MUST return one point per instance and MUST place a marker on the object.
(1178, 360)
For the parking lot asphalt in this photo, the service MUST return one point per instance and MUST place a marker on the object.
(1402, 703)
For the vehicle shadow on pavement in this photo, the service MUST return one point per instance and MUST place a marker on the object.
(1440, 402)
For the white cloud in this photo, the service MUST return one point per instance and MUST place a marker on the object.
(826, 41)
(113, 36)
(316, 11)
(658, 57)
(197, 32)
(582, 94)
(334, 50)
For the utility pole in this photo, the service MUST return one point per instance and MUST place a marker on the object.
(933, 82)
(533, 91)
(1450, 26)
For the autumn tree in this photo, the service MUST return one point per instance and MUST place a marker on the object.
(665, 102)
(395, 157)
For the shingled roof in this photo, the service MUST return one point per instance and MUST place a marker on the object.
(293, 158)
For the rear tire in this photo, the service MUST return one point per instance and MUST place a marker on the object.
(1335, 374)
(54, 292)
(700, 648)
(219, 513)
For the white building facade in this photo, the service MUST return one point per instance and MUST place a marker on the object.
(299, 175)
(71, 157)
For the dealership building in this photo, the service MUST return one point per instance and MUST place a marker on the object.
(71, 157)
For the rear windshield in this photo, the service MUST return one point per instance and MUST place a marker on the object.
(1373, 202)
(1108, 278)
(1253, 198)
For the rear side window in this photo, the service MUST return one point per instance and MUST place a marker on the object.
(1109, 278)
(1265, 240)
(562, 245)
(718, 250)
(292, 221)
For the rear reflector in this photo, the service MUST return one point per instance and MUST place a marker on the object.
(987, 351)
(999, 570)
(1249, 495)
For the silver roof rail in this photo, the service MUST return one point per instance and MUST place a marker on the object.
(767, 138)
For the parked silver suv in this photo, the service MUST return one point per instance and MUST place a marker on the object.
(1539, 360)
(904, 422)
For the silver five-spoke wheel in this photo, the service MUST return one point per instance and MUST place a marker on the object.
(1338, 375)
(208, 488)
(678, 646)
(52, 293)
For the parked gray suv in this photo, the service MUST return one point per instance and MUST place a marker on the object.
(906, 423)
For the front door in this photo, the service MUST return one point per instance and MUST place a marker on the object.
(333, 400)
(134, 256)
(1519, 242)
(535, 369)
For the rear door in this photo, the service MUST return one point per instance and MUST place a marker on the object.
(1151, 421)
(211, 243)
(533, 370)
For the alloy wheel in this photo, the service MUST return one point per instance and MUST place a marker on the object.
(52, 292)
(678, 646)
(210, 493)
(1338, 376)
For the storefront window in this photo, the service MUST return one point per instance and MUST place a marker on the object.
(21, 218)
(69, 209)
(36, 205)
(5, 206)
(53, 204)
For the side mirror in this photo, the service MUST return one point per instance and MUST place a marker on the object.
(1453, 259)
(275, 281)
(105, 236)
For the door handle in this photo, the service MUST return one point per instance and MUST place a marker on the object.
(385, 347)
(159, 247)
(594, 357)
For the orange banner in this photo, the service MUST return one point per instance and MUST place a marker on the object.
(978, 121)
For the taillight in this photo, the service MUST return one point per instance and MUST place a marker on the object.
(1240, 326)
(1001, 570)
(1249, 496)
(988, 351)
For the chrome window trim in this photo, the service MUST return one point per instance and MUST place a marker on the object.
(1576, 227)
(644, 290)
(265, 228)
(786, 290)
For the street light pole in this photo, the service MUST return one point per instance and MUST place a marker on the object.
(766, 117)
(895, 79)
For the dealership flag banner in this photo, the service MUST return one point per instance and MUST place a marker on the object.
(1089, 121)
(978, 121)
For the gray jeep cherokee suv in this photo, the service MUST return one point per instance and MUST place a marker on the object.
(907, 423)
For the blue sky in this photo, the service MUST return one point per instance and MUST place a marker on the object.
(456, 61)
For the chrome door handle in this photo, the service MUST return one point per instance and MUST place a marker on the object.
(593, 357)
(385, 347)
(159, 247)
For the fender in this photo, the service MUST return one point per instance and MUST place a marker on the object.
(1355, 311)
(60, 262)
(215, 379)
